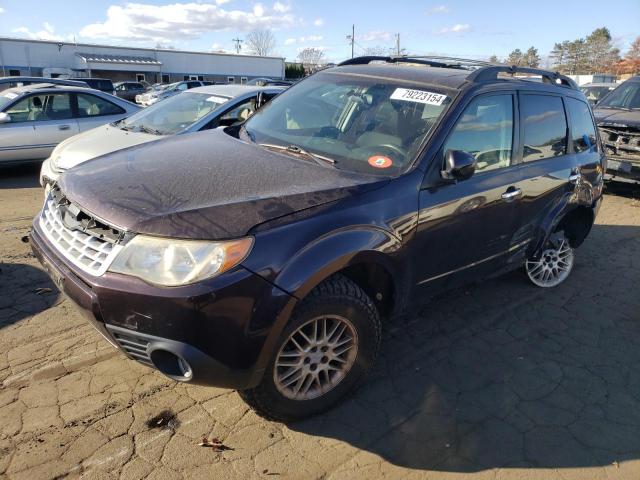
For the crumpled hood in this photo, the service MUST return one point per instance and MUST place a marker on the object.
(617, 118)
(206, 185)
(96, 142)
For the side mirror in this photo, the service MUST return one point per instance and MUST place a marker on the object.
(5, 117)
(458, 165)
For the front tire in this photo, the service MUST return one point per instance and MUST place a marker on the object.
(327, 348)
(554, 264)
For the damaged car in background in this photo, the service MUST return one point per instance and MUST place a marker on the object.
(618, 118)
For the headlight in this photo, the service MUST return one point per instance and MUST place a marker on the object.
(170, 262)
(55, 160)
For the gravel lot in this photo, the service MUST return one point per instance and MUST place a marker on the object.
(500, 381)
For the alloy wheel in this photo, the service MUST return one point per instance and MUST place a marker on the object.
(553, 266)
(315, 357)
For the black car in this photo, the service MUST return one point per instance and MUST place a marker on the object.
(129, 90)
(618, 117)
(266, 257)
(103, 84)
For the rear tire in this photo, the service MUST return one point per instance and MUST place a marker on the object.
(324, 352)
(554, 264)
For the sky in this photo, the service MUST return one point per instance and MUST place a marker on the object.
(466, 28)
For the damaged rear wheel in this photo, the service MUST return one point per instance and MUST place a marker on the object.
(553, 265)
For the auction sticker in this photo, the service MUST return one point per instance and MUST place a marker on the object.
(418, 96)
(380, 161)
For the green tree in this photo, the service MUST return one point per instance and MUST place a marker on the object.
(531, 58)
(494, 59)
(601, 54)
(515, 58)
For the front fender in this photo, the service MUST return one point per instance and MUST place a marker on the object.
(335, 251)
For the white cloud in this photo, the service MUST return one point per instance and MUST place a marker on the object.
(1, 10)
(374, 36)
(181, 21)
(47, 33)
(307, 39)
(281, 7)
(457, 28)
(318, 22)
(438, 9)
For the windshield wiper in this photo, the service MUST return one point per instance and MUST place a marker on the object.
(152, 131)
(295, 149)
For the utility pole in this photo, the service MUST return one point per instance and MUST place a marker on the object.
(398, 44)
(238, 46)
(352, 37)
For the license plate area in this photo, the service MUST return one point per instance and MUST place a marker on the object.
(56, 276)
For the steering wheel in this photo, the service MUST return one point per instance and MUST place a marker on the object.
(394, 148)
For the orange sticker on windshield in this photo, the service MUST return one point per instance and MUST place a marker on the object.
(380, 161)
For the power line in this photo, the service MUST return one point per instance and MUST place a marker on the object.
(238, 42)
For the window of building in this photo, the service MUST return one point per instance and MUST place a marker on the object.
(165, 78)
(40, 108)
(583, 131)
(485, 130)
(545, 127)
(200, 77)
(243, 80)
(92, 106)
(231, 79)
(14, 73)
(140, 77)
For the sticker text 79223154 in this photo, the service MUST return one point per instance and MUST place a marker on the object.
(418, 96)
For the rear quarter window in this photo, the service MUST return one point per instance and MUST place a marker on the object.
(583, 131)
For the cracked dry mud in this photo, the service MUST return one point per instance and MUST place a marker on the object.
(495, 381)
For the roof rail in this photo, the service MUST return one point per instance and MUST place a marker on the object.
(490, 73)
(482, 71)
(393, 59)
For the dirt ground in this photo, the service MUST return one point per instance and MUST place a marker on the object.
(495, 381)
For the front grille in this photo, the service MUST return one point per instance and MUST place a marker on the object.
(87, 251)
(133, 345)
(623, 142)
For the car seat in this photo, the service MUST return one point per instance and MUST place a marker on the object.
(36, 113)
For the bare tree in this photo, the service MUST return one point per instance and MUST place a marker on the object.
(311, 57)
(261, 42)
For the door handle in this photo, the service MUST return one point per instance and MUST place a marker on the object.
(64, 127)
(574, 177)
(511, 194)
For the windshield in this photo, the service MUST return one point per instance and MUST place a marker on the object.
(173, 114)
(361, 124)
(626, 96)
(6, 98)
(594, 94)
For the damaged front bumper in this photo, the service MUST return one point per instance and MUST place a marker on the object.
(622, 148)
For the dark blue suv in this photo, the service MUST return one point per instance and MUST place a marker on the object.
(266, 257)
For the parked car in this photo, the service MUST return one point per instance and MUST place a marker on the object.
(266, 256)
(618, 117)
(194, 110)
(155, 95)
(269, 82)
(35, 118)
(13, 82)
(129, 90)
(103, 84)
(595, 91)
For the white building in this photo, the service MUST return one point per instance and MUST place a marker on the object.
(54, 59)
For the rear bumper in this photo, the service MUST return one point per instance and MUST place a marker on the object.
(210, 333)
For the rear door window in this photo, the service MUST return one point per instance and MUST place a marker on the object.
(583, 131)
(545, 127)
(93, 106)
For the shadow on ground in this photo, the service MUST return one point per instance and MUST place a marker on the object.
(24, 291)
(20, 176)
(504, 374)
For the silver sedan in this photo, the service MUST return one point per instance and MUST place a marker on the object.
(36, 118)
